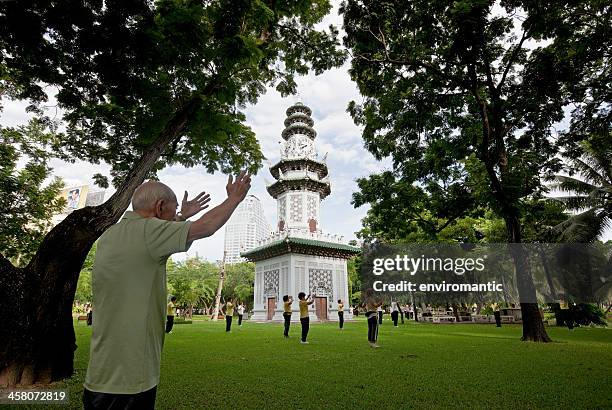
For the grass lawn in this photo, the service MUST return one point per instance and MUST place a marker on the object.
(418, 365)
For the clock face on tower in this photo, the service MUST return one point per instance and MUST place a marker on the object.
(299, 146)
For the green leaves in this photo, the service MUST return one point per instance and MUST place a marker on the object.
(466, 94)
(194, 281)
(123, 69)
(589, 193)
(27, 203)
(400, 209)
(83, 292)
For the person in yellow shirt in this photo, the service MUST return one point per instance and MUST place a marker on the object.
(229, 313)
(340, 313)
(304, 319)
(170, 314)
(287, 301)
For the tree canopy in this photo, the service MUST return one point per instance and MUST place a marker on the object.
(464, 98)
(587, 190)
(122, 69)
(27, 203)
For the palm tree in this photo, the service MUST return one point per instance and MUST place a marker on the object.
(589, 193)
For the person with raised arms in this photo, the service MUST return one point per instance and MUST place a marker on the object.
(304, 319)
(287, 301)
(229, 313)
(129, 289)
(371, 305)
(394, 312)
(240, 309)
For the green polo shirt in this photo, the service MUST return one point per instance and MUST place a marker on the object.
(129, 298)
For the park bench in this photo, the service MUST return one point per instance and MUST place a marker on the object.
(82, 317)
(445, 318)
(491, 319)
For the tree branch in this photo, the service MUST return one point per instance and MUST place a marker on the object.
(498, 124)
(405, 62)
(411, 63)
(486, 133)
(512, 58)
(448, 222)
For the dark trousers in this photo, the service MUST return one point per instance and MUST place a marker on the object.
(169, 323)
(239, 320)
(497, 318)
(107, 401)
(89, 318)
(287, 317)
(380, 318)
(305, 321)
(341, 319)
(372, 327)
(402, 316)
(228, 323)
(394, 317)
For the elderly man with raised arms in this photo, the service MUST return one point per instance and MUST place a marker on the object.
(129, 290)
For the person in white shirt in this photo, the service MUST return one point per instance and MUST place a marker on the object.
(394, 313)
(240, 309)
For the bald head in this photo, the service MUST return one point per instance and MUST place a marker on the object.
(146, 196)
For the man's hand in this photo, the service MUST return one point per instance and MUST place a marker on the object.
(214, 219)
(238, 189)
(197, 204)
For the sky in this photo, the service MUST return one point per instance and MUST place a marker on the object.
(327, 95)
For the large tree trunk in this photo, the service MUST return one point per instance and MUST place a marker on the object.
(533, 326)
(37, 340)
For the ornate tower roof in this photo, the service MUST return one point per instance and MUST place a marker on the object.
(299, 168)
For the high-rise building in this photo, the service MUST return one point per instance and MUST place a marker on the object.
(244, 229)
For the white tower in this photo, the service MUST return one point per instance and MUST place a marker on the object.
(301, 179)
(299, 257)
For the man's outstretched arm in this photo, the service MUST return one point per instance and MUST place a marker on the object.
(214, 219)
